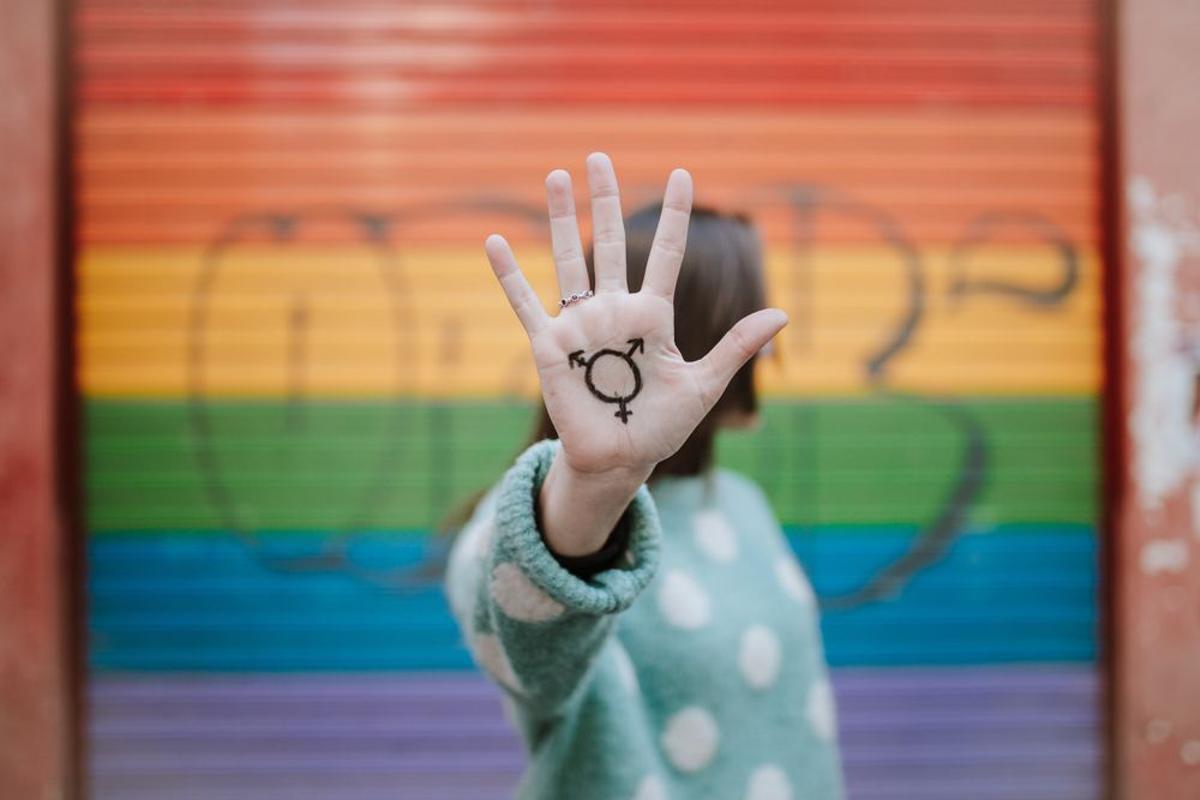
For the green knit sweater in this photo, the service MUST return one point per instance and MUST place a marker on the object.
(691, 669)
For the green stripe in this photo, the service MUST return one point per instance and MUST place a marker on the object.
(332, 464)
(893, 460)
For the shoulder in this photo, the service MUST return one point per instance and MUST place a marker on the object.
(719, 490)
(747, 507)
(744, 504)
(735, 488)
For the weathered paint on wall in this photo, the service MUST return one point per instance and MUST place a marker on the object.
(1158, 540)
(32, 696)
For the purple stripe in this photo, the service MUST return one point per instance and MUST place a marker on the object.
(938, 734)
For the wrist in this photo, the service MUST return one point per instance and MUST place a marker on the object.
(627, 477)
(579, 509)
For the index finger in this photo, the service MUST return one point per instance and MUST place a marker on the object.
(670, 240)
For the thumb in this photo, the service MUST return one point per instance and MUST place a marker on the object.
(736, 347)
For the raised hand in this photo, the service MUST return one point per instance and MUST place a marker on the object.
(621, 396)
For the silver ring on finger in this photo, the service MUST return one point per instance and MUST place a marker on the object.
(575, 297)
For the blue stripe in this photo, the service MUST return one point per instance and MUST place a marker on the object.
(1016, 593)
(206, 601)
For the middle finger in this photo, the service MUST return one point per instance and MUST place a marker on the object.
(608, 237)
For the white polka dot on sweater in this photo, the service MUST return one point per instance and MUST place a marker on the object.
(682, 601)
(822, 715)
(491, 656)
(461, 594)
(519, 598)
(769, 782)
(690, 739)
(759, 657)
(714, 535)
(625, 671)
(481, 542)
(651, 788)
(788, 573)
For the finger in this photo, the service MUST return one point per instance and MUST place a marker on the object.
(564, 234)
(520, 295)
(666, 254)
(737, 347)
(608, 236)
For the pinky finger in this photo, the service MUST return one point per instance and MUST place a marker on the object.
(520, 295)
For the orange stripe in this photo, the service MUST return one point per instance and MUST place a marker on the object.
(158, 177)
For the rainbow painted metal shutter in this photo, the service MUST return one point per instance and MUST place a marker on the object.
(295, 361)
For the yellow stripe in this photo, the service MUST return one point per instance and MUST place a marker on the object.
(334, 322)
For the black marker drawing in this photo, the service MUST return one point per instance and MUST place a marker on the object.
(214, 442)
(622, 400)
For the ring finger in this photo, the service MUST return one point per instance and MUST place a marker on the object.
(569, 263)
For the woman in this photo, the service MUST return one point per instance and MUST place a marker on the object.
(655, 641)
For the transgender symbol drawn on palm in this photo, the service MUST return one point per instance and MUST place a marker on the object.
(621, 396)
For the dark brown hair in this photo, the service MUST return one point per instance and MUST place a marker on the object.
(720, 281)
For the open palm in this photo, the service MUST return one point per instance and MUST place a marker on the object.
(615, 385)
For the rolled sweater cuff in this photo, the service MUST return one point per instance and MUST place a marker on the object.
(518, 540)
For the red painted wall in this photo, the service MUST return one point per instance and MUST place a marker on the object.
(33, 729)
(1157, 622)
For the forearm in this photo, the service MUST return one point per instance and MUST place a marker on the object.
(535, 626)
(579, 510)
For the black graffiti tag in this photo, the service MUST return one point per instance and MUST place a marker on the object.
(578, 359)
